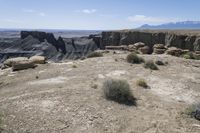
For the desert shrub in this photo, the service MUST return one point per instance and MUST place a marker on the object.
(194, 111)
(159, 62)
(118, 91)
(166, 62)
(188, 55)
(94, 86)
(150, 65)
(191, 55)
(74, 66)
(95, 54)
(136, 52)
(142, 83)
(134, 58)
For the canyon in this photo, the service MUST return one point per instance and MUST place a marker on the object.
(59, 48)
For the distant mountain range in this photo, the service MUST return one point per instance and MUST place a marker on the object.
(176, 25)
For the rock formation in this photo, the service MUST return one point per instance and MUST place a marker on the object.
(144, 50)
(168, 38)
(45, 44)
(159, 49)
(21, 65)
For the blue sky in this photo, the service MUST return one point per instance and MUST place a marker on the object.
(94, 14)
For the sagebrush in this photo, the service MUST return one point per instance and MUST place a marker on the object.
(134, 59)
(150, 65)
(142, 83)
(194, 111)
(119, 91)
(95, 54)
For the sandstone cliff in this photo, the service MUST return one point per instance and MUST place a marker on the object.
(181, 39)
(56, 49)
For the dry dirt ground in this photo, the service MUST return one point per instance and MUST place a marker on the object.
(56, 97)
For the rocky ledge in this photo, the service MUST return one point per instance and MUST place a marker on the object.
(189, 40)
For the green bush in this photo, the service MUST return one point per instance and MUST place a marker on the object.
(186, 56)
(94, 86)
(150, 65)
(134, 59)
(95, 54)
(118, 91)
(142, 83)
(194, 111)
(189, 55)
(74, 66)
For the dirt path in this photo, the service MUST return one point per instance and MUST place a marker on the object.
(64, 99)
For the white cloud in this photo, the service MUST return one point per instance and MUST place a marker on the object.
(87, 11)
(12, 21)
(28, 10)
(108, 15)
(142, 19)
(42, 14)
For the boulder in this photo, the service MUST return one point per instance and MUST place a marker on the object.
(11, 61)
(21, 65)
(196, 56)
(131, 48)
(144, 50)
(174, 51)
(185, 51)
(197, 52)
(139, 45)
(159, 51)
(159, 46)
(123, 47)
(38, 59)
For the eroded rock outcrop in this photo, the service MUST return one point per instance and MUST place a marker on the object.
(159, 49)
(21, 65)
(169, 39)
(144, 50)
(45, 44)
(11, 61)
(38, 59)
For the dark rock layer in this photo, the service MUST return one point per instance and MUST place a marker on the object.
(183, 41)
(45, 44)
(40, 43)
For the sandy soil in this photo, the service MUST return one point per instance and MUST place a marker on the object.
(64, 99)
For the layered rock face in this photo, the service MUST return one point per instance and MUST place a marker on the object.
(45, 44)
(169, 39)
